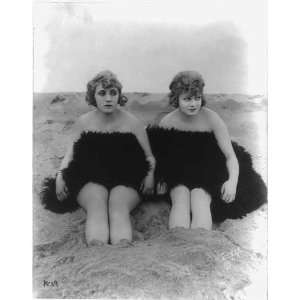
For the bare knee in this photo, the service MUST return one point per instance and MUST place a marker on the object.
(92, 195)
(180, 211)
(116, 198)
(200, 204)
(122, 200)
(201, 196)
(179, 193)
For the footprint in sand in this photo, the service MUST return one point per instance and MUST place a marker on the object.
(64, 260)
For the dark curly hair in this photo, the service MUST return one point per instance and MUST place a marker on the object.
(186, 82)
(108, 80)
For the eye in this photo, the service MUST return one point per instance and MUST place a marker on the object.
(101, 93)
(198, 98)
(113, 92)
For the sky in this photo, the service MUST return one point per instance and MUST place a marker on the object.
(145, 43)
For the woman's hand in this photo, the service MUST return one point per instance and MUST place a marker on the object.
(148, 184)
(61, 188)
(161, 188)
(228, 191)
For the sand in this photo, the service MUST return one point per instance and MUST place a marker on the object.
(228, 262)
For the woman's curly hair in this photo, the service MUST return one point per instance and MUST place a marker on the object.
(186, 82)
(108, 80)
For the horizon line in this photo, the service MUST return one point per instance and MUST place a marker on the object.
(140, 92)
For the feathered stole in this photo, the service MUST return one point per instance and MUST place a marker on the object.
(194, 159)
(109, 159)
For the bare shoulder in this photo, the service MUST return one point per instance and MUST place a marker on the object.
(168, 120)
(213, 118)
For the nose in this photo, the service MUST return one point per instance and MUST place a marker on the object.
(193, 102)
(108, 98)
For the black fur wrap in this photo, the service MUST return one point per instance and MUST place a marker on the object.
(194, 159)
(109, 159)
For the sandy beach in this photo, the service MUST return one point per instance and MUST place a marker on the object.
(228, 262)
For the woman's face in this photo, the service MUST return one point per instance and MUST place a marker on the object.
(190, 105)
(106, 98)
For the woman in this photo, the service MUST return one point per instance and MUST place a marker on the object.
(108, 163)
(208, 177)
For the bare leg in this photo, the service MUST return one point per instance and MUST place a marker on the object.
(93, 198)
(180, 210)
(121, 201)
(200, 205)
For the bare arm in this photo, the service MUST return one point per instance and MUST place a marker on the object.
(140, 132)
(142, 137)
(224, 142)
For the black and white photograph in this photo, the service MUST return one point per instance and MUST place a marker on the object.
(150, 150)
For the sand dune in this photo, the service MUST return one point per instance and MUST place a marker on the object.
(226, 263)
